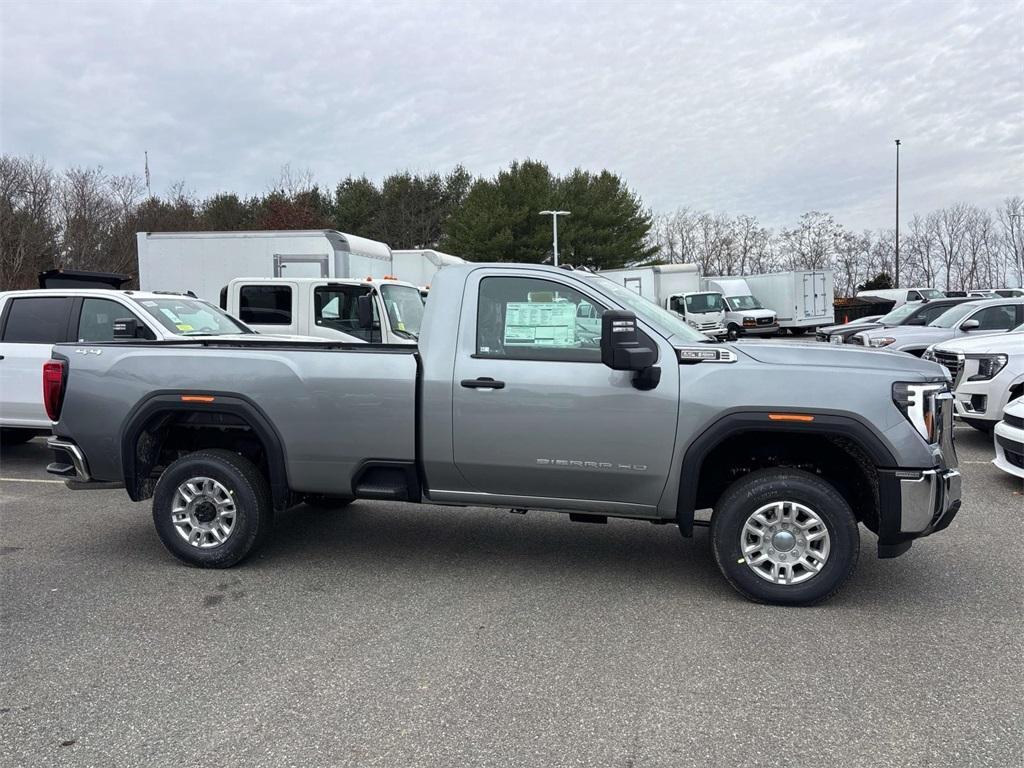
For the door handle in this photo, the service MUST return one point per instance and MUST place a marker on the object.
(484, 382)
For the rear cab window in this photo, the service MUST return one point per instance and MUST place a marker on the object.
(265, 304)
(36, 319)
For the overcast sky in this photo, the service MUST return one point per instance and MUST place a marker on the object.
(766, 109)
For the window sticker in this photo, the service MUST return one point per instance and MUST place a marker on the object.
(547, 324)
(183, 327)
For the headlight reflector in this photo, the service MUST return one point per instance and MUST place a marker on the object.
(918, 404)
(988, 366)
(882, 341)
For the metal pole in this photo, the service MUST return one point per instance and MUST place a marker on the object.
(898, 213)
(554, 237)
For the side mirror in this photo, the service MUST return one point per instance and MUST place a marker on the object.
(126, 328)
(364, 310)
(969, 325)
(623, 350)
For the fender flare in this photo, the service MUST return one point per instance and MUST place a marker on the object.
(170, 401)
(757, 421)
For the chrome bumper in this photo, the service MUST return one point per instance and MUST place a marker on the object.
(75, 468)
(929, 500)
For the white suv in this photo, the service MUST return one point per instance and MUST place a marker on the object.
(31, 322)
(1009, 440)
(988, 372)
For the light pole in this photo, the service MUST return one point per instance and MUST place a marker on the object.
(898, 213)
(554, 225)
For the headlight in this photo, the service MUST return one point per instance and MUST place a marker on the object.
(988, 366)
(929, 354)
(918, 403)
(882, 341)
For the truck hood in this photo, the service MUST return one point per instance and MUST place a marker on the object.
(834, 356)
(921, 335)
(849, 327)
(1007, 343)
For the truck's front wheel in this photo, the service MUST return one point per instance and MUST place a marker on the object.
(784, 536)
(211, 508)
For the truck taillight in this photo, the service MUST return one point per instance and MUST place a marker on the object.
(53, 388)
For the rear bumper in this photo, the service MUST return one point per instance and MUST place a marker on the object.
(70, 465)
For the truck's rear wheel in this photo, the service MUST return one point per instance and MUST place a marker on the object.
(784, 536)
(211, 508)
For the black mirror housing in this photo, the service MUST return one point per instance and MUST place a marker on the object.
(623, 349)
(126, 328)
(364, 310)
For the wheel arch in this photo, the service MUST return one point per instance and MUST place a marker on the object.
(142, 436)
(846, 427)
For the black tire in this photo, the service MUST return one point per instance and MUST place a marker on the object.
(745, 496)
(733, 332)
(798, 331)
(13, 436)
(320, 501)
(249, 490)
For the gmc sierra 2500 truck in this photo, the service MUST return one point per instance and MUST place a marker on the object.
(510, 400)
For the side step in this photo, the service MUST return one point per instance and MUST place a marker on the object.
(387, 481)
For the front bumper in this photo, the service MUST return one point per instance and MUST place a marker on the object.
(1009, 443)
(758, 330)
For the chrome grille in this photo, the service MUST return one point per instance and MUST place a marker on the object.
(765, 320)
(952, 362)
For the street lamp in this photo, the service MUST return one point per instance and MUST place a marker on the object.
(554, 225)
(898, 213)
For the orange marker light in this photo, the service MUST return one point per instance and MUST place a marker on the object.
(197, 398)
(790, 417)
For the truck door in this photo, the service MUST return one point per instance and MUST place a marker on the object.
(536, 414)
(334, 309)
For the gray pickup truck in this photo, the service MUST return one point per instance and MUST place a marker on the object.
(520, 395)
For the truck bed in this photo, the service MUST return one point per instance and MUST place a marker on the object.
(333, 406)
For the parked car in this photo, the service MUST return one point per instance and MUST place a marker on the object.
(32, 321)
(505, 404)
(1009, 439)
(902, 295)
(988, 373)
(912, 313)
(973, 318)
(860, 324)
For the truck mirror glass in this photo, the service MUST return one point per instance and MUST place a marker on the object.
(969, 325)
(126, 328)
(364, 310)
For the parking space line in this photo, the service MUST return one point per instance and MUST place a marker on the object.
(27, 480)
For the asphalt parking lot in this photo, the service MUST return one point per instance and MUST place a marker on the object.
(399, 635)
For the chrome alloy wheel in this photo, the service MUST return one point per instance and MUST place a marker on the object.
(785, 542)
(203, 512)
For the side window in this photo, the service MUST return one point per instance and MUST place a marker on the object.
(530, 319)
(265, 304)
(37, 320)
(913, 296)
(96, 321)
(929, 313)
(335, 307)
(996, 318)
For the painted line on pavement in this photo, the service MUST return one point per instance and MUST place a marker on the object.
(27, 480)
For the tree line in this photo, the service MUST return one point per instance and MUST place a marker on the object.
(85, 218)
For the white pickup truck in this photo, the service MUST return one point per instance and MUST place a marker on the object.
(31, 322)
(328, 308)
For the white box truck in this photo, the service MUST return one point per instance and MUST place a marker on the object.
(419, 266)
(744, 314)
(677, 288)
(802, 299)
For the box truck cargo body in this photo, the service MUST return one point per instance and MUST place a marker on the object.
(205, 262)
(802, 299)
(419, 266)
(677, 288)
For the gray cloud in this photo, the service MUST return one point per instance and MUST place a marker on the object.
(758, 108)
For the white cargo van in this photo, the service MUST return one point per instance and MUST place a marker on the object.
(381, 311)
(677, 288)
(802, 299)
(744, 314)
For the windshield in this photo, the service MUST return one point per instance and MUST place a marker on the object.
(899, 314)
(405, 309)
(951, 317)
(744, 302)
(648, 311)
(700, 303)
(932, 293)
(185, 316)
